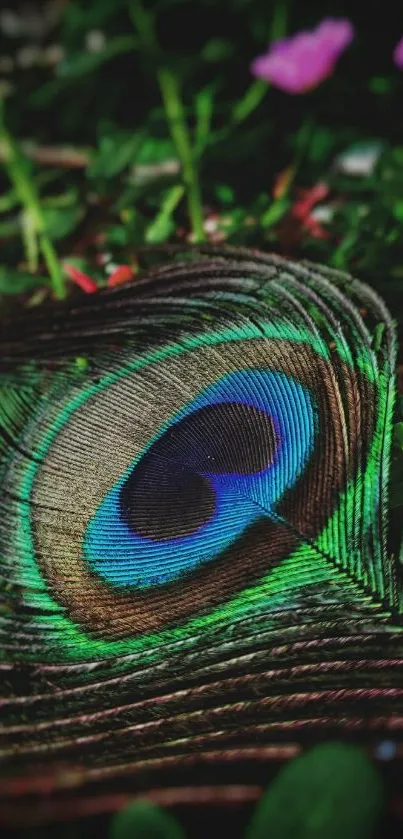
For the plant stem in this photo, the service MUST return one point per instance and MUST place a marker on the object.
(156, 230)
(278, 26)
(175, 114)
(29, 199)
(258, 89)
(252, 98)
(180, 134)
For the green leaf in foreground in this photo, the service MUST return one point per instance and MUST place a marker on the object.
(332, 792)
(144, 820)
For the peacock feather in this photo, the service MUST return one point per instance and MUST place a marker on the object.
(197, 577)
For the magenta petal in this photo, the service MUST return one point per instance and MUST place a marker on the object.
(301, 62)
(338, 34)
(398, 54)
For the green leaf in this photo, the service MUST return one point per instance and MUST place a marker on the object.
(8, 200)
(63, 199)
(16, 282)
(321, 143)
(275, 212)
(116, 151)
(354, 218)
(117, 235)
(225, 194)
(398, 210)
(332, 792)
(61, 221)
(155, 150)
(82, 63)
(217, 49)
(144, 820)
(80, 18)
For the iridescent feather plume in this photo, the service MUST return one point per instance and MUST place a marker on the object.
(196, 574)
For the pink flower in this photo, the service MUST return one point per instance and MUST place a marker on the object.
(398, 54)
(299, 63)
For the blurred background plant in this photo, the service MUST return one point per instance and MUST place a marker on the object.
(132, 123)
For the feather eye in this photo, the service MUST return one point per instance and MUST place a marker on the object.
(194, 471)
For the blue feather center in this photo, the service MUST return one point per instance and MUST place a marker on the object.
(188, 498)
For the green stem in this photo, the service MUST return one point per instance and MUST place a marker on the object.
(30, 240)
(175, 114)
(278, 26)
(252, 98)
(30, 201)
(156, 231)
(180, 134)
(258, 89)
(53, 265)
